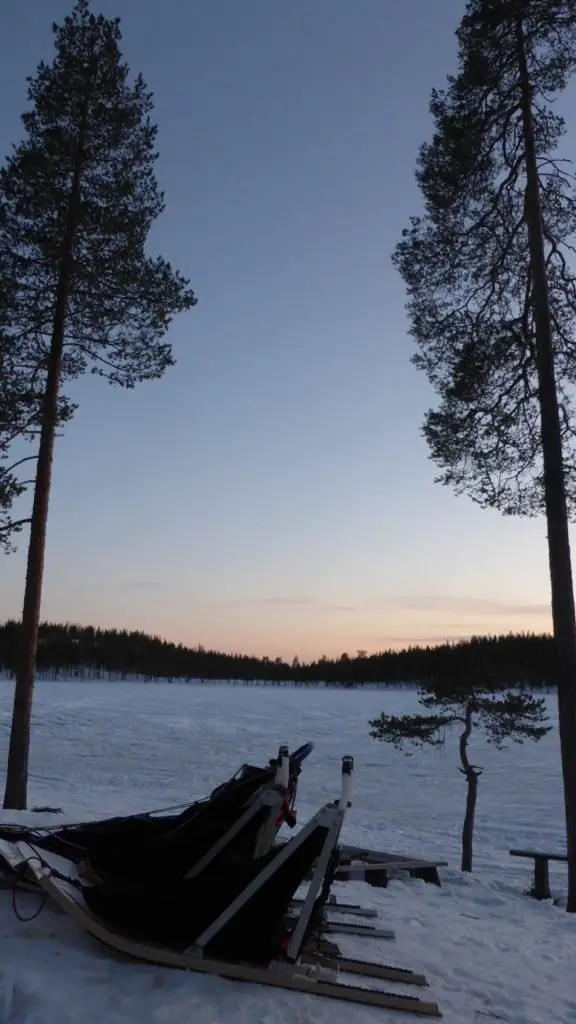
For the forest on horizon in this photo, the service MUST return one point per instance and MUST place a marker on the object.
(86, 652)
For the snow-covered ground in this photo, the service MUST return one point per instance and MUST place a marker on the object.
(489, 951)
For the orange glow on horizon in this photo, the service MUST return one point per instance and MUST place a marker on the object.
(308, 638)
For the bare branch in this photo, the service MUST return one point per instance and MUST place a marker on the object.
(10, 469)
(14, 525)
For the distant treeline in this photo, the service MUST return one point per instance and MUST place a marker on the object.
(84, 652)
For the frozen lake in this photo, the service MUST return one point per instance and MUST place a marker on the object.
(157, 744)
(489, 951)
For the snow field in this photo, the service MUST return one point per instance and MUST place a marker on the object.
(490, 952)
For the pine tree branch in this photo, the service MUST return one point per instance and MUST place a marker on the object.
(9, 469)
(13, 525)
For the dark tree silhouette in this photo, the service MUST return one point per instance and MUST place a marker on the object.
(504, 717)
(20, 416)
(492, 297)
(77, 199)
(66, 651)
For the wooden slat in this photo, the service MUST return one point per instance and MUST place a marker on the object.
(351, 909)
(563, 857)
(342, 928)
(384, 865)
(360, 853)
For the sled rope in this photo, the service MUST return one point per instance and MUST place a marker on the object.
(19, 874)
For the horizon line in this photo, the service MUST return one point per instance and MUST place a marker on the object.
(418, 643)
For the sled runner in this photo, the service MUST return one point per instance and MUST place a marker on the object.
(235, 924)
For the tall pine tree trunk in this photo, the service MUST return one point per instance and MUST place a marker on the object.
(471, 775)
(15, 794)
(563, 609)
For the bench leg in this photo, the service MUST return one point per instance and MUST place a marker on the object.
(427, 875)
(541, 889)
(379, 879)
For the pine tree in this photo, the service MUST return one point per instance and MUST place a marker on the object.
(77, 199)
(492, 297)
(503, 717)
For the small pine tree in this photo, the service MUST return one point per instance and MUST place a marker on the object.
(77, 200)
(504, 717)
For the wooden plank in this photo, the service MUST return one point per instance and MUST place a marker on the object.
(11, 855)
(341, 928)
(391, 865)
(384, 865)
(352, 909)
(360, 853)
(376, 873)
(562, 857)
(378, 878)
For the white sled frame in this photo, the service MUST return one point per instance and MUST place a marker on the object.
(330, 817)
(270, 797)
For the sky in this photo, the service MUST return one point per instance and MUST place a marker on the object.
(272, 494)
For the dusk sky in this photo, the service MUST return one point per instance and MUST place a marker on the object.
(272, 494)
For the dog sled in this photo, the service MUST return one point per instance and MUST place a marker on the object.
(233, 911)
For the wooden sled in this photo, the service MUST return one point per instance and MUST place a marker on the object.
(278, 975)
(300, 969)
(321, 953)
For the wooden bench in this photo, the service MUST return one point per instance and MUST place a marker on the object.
(541, 887)
(374, 866)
